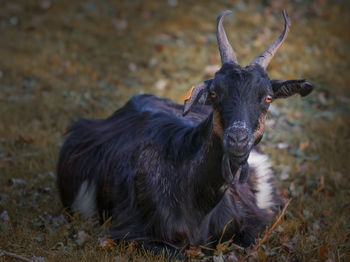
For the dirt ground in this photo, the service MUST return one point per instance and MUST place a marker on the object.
(61, 60)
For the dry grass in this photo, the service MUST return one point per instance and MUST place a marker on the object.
(61, 60)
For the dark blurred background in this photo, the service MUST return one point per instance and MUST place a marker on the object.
(62, 59)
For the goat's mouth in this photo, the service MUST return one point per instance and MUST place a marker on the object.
(231, 163)
(237, 144)
(237, 157)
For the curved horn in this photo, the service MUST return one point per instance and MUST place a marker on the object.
(264, 58)
(226, 51)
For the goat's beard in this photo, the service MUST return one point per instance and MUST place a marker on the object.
(226, 170)
(229, 168)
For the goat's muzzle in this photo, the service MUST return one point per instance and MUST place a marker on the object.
(237, 142)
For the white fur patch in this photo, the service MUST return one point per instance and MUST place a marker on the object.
(85, 201)
(262, 167)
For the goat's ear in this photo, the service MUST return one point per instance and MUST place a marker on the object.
(197, 95)
(284, 89)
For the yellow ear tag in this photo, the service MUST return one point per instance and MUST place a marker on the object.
(188, 94)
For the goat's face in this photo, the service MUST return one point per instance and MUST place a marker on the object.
(240, 96)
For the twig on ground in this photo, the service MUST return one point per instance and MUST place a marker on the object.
(9, 254)
(268, 232)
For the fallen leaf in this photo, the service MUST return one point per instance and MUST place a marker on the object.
(284, 193)
(218, 258)
(25, 139)
(81, 238)
(282, 145)
(45, 4)
(39, 239)
(194, 252)
(322, 252)
(322, 98)
(159, 48)
(119, 23)
(210, 70)
(38, 259)
(132, 67)
(58, 246)
(105, 243)
(17, 182)
(285, 173)
(161, 84)
(4, 216)
(326, 213)
(303, 145)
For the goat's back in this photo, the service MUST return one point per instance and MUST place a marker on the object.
(94, 148)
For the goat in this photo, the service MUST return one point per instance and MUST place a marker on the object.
(177, 174)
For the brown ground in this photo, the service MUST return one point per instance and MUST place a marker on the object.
(60, 60)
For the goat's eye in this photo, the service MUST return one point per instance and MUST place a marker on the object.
(212, 94)
(268, 99)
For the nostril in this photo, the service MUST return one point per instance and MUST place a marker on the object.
(238, 137)
(242, 137)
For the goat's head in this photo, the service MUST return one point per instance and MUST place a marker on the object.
(241, 96)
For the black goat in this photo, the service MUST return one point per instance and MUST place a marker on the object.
(172, 179)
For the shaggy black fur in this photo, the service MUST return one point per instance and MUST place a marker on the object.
(160, 175)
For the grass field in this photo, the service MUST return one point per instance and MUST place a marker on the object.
(61, 60)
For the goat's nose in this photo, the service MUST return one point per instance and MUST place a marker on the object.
(240, 136)
(238, 141)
